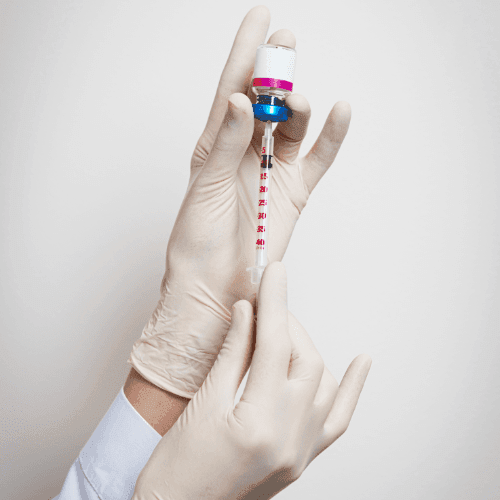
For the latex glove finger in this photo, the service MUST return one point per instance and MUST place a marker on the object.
(347, 398)
(235, 77)
(288, 136)
(327, 392)
(322, 154)
(232, 141)
(231, 365)
(306, 364)
(271, 358)
(284, 38)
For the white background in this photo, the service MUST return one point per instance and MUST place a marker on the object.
(396, 254)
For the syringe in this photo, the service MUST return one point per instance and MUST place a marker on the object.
(272, 82)
(264, 204)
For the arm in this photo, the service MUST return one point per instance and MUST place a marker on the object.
(109, 463)
(195, 299)
(213, 239)
(158, 407)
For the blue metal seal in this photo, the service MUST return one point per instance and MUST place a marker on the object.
(270, 108)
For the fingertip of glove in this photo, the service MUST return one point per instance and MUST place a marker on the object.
(241, 305)
(240, 103)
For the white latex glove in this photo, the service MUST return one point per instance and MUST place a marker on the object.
(290, 411)
(213, 239)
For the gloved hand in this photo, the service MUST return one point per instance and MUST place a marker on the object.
(213, 239)
(290, 411)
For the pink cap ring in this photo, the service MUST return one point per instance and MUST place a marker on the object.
(271, 82)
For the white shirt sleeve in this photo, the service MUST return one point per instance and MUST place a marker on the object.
(109, 464)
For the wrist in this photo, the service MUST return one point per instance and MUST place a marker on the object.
(160, 408)
(181, 341)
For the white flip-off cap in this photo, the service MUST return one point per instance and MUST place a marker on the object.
(273, 61)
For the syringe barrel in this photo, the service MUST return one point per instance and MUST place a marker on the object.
(262, 242)
(264, 205)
